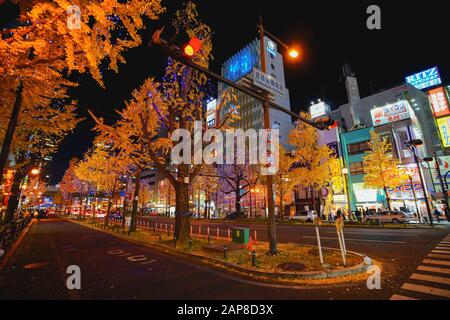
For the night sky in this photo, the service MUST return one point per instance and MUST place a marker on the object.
(413, 37)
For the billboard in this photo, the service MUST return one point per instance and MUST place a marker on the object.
(425, 79)
(318, 110)
(438, 102)
(444, 129)
(269, 83)
(390, 113)
(211, 113)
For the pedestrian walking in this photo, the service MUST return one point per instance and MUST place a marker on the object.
(437, 214)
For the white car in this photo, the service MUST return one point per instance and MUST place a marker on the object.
(306, 216)
(391, 217)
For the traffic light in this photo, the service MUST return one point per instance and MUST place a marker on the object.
(326, 122)
(192, 47)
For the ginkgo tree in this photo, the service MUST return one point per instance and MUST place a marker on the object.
(162, 107)
(71, 185)
(104, 169)
(381, 169)
(285, 179)
(207, 181)
(49, 40)
(312, 161)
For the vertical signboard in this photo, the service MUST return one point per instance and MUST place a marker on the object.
(438, 102)
(444, 130)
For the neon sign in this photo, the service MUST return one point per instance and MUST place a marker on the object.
(425, 79)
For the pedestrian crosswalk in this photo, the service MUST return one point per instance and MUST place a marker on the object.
(431, 280)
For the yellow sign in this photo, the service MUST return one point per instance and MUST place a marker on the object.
(444, 129)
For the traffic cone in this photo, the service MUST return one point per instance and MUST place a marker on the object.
(250, 245)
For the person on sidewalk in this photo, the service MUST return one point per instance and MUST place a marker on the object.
(437, 214)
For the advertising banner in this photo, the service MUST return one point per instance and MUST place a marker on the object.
(438, 101)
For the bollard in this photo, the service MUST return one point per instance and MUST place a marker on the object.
(199, 230)
(209, 238)
(168, 233)
(229, 234)
(160, 240)
(225, 253)
(174, 242)
(190, 244)
(156, 225)
(190, 233)
(218, 233)
(254, 236)
(254, 258)
(171, 227)
(207, 232)
(166, 226)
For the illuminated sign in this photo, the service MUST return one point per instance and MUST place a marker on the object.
(425, 79)
(444, 129)
(390, 113)
(318, 109)
(242, 63)
(211, 106)
(267, 82)
(272, 47)
(438, 102)
(211, 113)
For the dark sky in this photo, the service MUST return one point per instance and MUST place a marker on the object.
(414, 36)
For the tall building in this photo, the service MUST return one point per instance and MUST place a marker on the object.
(244, 67)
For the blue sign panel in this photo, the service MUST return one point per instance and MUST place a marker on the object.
(425, 79)
(241, 63)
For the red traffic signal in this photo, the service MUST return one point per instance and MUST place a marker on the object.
(326, 122)
(192, 47)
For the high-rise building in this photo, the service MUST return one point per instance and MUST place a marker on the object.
(244, 67)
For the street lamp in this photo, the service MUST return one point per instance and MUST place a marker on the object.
(412, 145)
(349, 207)
(35, 171)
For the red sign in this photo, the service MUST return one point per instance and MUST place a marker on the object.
(439, 102)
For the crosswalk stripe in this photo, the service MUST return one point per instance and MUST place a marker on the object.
(444, 242)
(426, 277)
(439, 256)
(426, 289)
(399, 297)
(439, 262)
(440, 251)
(434, 269)
(444, 248)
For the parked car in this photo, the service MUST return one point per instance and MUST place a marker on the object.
(305, 216)
(391, 217)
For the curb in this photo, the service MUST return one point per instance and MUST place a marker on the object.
(10, 252)
(303, 275)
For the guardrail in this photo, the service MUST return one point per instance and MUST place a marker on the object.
(10, 232)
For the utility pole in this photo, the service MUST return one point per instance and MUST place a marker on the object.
(272, 227)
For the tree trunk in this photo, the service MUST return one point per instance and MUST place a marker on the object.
(13, 200)
(133, 223)
(237, 205)
(281, 208)
(388, 200)
(182, 214)
(9, 134)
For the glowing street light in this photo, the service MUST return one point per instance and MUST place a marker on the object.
(293, 53)
(35, 171)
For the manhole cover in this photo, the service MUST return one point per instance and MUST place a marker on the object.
(291, 266)
(36, 265)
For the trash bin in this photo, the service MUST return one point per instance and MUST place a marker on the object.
(240, 235)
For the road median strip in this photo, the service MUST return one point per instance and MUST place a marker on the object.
(277, 276)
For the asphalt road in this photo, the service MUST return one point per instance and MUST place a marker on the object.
(116, 269)
(405, 248)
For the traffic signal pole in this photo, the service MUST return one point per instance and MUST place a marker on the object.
(175, 52)
(443, 188)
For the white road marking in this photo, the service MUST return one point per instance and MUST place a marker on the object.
(399, 297)
(441, 251)
(434, 269)
(439, 262)
(440, 256)
(363, 240)
(425, 277)
(426, 289)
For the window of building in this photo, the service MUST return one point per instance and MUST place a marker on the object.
(357, 168)
(357, 148)
(272, 66)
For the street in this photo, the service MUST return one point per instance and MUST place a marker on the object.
(116, 269)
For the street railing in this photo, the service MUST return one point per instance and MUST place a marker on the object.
(10, 232)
